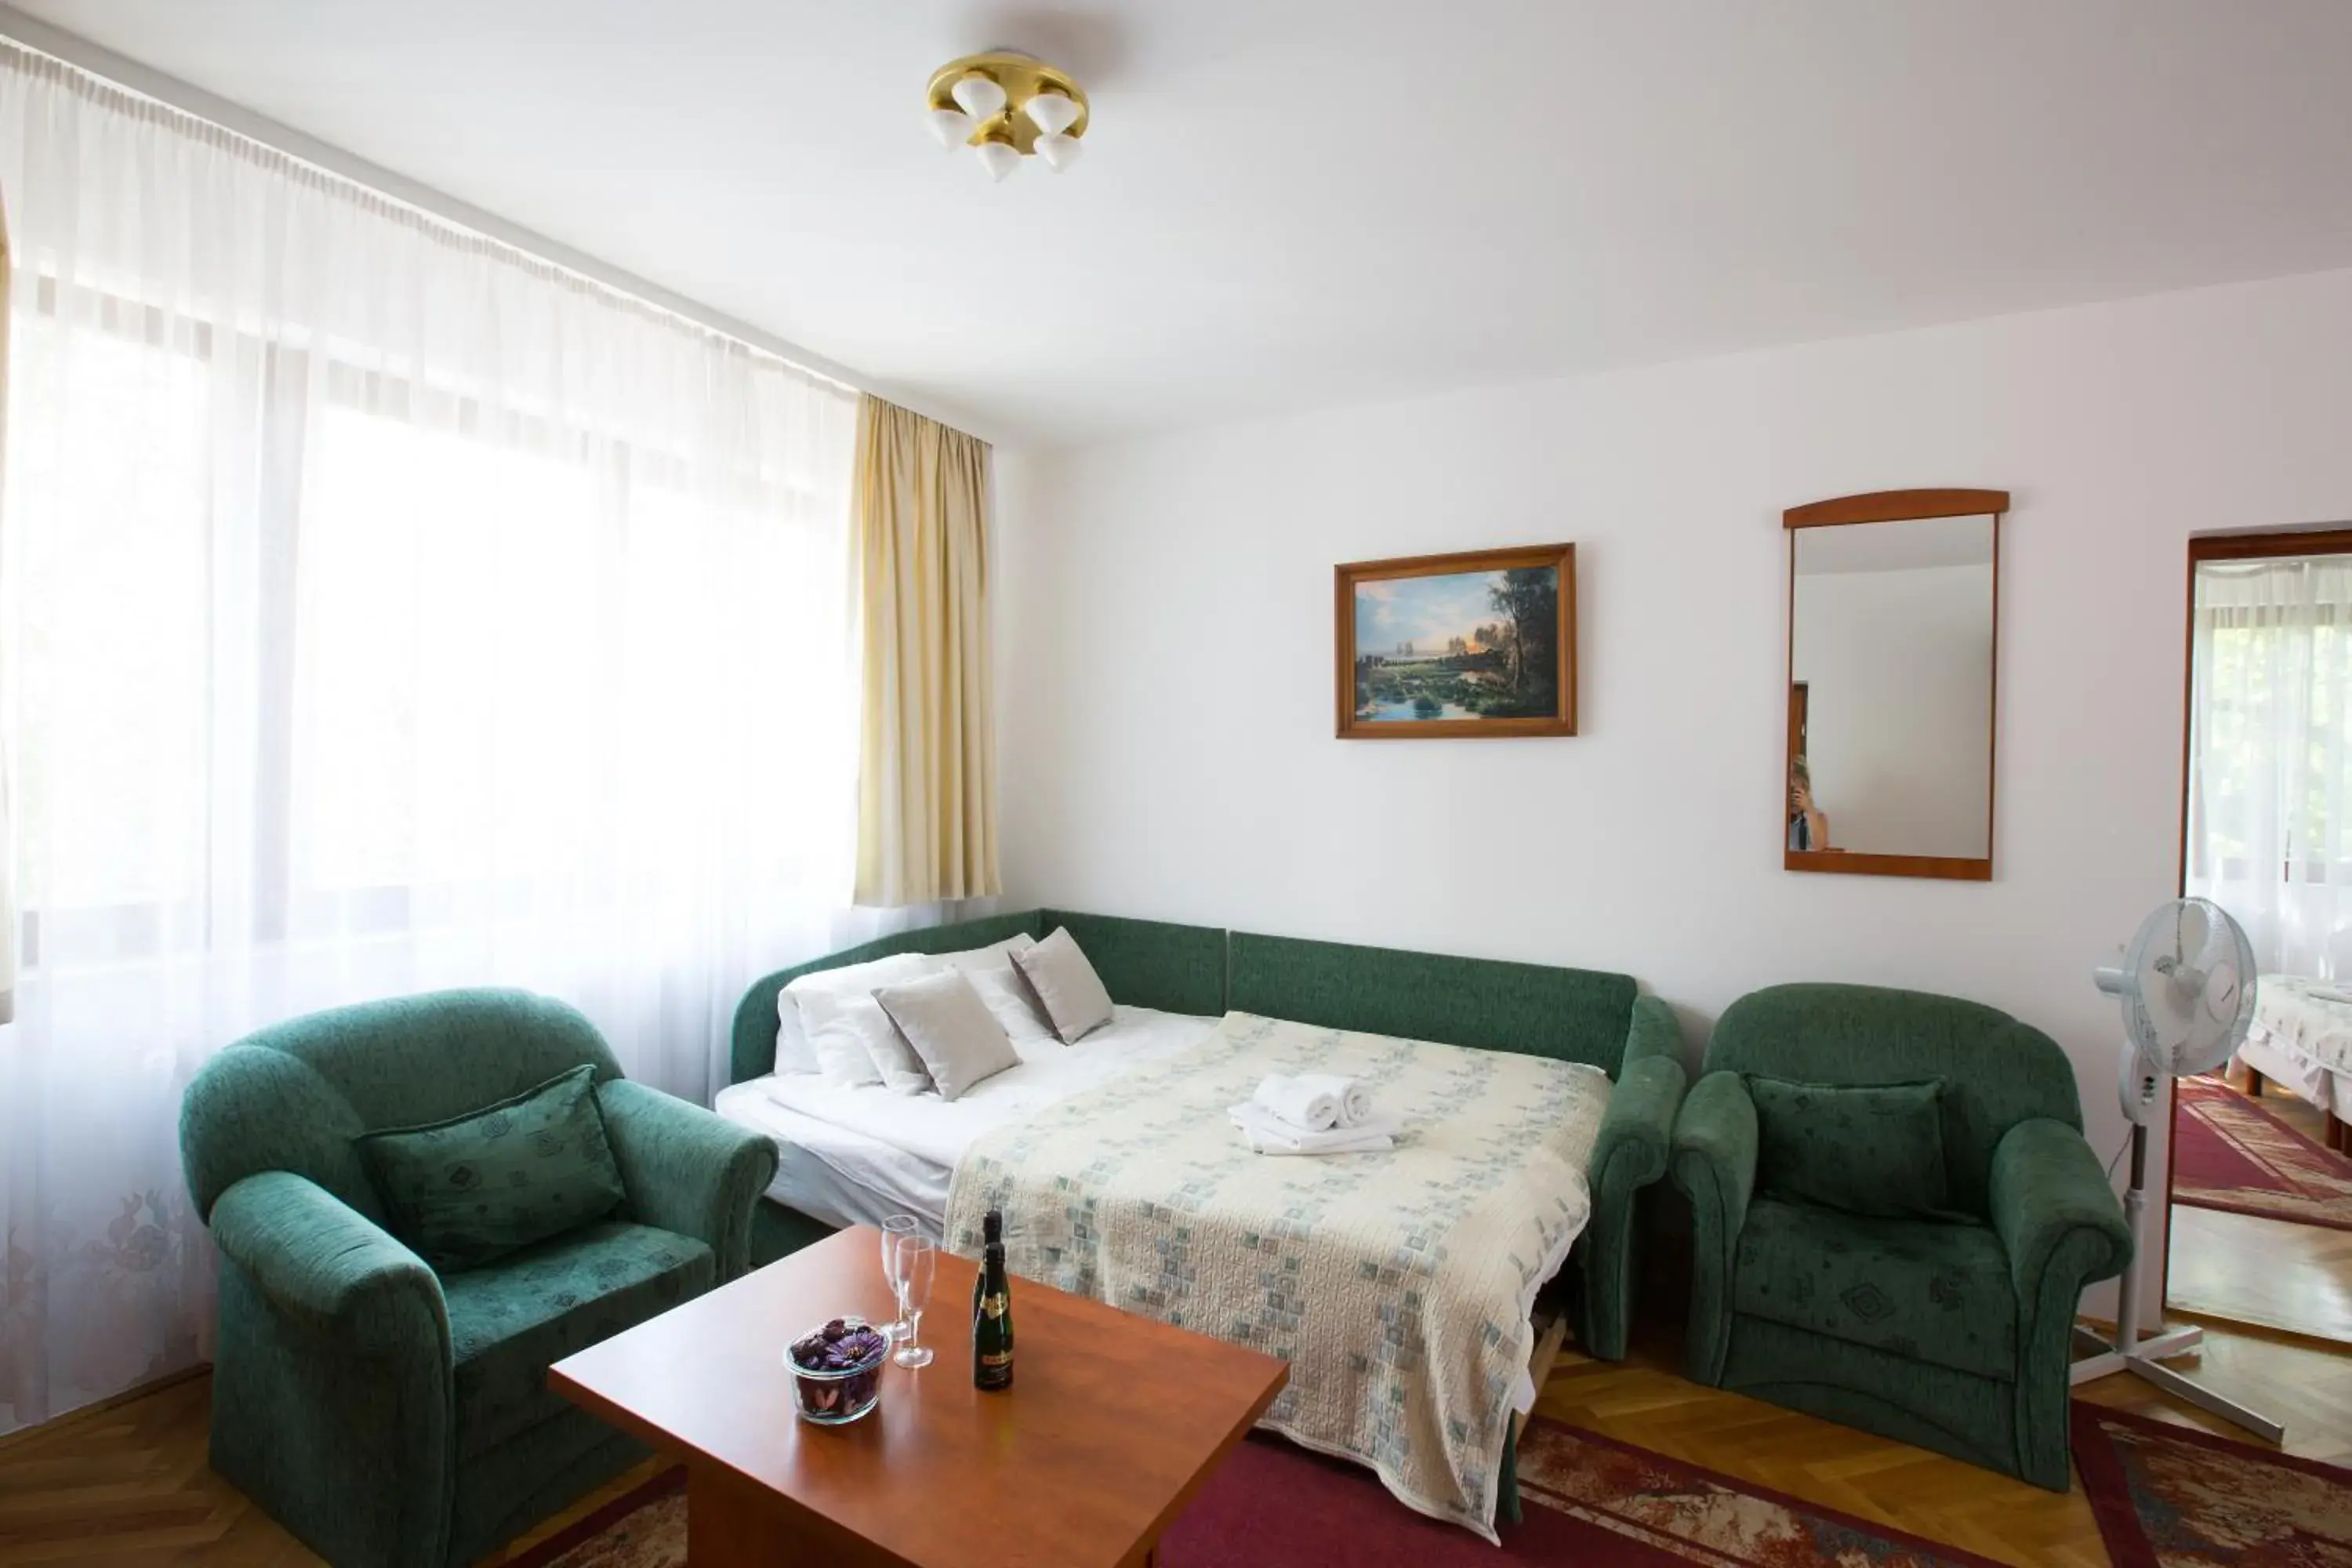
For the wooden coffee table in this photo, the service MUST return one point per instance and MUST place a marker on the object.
(1113, 1423)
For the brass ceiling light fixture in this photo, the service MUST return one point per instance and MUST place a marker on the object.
(1004, 106)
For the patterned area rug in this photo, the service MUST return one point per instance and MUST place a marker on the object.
(1590, 1502)
(1681, 1513)
(641, 1529)
(2232, 1154)
(2171, 1497)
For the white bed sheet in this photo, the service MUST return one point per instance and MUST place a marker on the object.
(2308, 1018)
(2279, 1060)
(854, 1157)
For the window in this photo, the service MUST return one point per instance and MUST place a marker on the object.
(448, 594)
(112, 649)
(452, 660)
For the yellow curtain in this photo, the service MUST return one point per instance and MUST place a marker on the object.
(927, 775)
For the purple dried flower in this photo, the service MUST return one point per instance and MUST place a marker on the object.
(839, 1347)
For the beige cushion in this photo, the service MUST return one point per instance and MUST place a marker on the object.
(1067, 985)
(849, 1034)
(944, 1020)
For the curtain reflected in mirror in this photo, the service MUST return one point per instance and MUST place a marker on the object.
(1891, 682)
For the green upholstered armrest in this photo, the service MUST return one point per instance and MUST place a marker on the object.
(2063, 1228)
(2046, 1187)
(330, 1269)
(686, 1168)
(1653, 1033)
(1714, 1149)
(1715, 1164)
(1637, 1134)
(1629, 1155)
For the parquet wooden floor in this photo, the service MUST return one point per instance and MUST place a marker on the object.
(2250, 1269)
(1643, 1401)
(127, 1487)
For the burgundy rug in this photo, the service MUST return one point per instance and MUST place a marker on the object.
(2229, 1153)
(1590, 1502)
(2169, 1495)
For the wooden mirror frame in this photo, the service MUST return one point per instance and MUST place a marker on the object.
(1893, 506)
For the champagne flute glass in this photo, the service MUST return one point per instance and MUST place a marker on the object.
(918, 1258)
(894, 1229)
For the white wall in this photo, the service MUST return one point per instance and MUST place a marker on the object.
(1899, 673)
(1165, 634)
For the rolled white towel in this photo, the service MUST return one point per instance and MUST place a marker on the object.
(1355, 1100)
(1266, 1135)
(1297, 1102)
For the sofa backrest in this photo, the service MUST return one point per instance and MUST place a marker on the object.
(1571, 1014)
(294, 1095)
(1150, 964)
(1996, 1070)
(1575, 1015)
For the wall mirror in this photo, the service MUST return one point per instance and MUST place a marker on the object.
(1892, 621)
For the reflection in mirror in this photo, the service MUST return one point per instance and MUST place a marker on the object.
(1891, 694)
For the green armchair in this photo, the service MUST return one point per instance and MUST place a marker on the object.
(386, 1414)
(1951, 1332)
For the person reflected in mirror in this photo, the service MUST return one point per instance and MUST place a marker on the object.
(1808, 827)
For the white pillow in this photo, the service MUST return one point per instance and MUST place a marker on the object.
(989, 957)
(902, 1070)
(848, 1033)
(1068, 987)
(947, 1026)
(1011, 1002)
(794, 1053)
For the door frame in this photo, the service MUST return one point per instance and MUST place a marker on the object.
(2274, 544)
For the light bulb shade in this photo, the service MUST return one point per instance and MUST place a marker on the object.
(977, 95)
(1052, 111)
(999, 158)
(953, 127)
(1059, 151)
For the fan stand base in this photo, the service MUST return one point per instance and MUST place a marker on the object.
(2146, 1361)
(2143, 1357)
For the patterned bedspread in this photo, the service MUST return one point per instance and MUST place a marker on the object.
(2311, 1018)
(1397, 1285)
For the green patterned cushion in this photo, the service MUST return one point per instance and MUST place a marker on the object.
(474, 1188)
(1868, 1149)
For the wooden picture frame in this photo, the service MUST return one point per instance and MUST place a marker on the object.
(1440, 660)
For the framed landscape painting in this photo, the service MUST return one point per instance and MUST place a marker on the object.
(1482, 643)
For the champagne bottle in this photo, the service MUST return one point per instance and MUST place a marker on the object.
(992, 1311)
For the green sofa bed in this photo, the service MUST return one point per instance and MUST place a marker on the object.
(1572, 1015)
(1948, 1325)
(385, 1412)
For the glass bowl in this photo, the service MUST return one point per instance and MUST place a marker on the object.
(836, 1397)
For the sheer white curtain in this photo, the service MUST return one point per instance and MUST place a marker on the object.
(384, 609)
(2270, 777)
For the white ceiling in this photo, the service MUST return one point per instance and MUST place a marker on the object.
(1286, 206)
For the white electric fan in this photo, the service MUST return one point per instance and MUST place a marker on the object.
(2187, 986)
